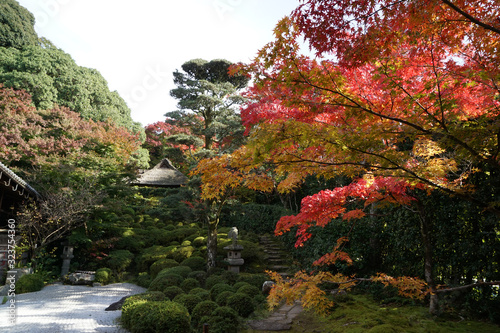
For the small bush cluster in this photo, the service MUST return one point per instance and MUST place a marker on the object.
(29, 283)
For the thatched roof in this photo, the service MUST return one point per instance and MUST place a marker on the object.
(164, 174)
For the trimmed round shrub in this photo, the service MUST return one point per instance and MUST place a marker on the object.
(189, 284)
(188, 300)
(172, 291)
(161, 264)
(201, 276)
(103, 275)
(179, 270)
(249, 290)
(218, 288)
(241, 303)
(222, 320)
(29, 283)
(202, 293)
(212, 280)
(204, 308)
(166, 280)
(195, 263)
(183, 253)
(199, 241)
(134, 300)
(154, 253)
(240, 284)
(221, 299)
(119, 260)
(229, 277)
(143, 280)
(253, 279)
(165, 317)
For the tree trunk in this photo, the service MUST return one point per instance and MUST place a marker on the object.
(211, 246)
(426, 230)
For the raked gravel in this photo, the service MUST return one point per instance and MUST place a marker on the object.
(65, 308)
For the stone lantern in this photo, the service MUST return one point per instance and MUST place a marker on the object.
(234, 259)
(66, 257)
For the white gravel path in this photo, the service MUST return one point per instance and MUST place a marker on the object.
(64, 308)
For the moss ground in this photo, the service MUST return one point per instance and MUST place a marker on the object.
(360, 314)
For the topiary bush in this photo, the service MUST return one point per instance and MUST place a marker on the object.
(253, 279)
(202, 293)
(119, 260)
(133, 301)
(202, 309)
(152, 254)
(188, 300)
(143, 280)
(201, 276)
(172, 291)
(166, 280)
(183, 253)
(249, 290)
(179, 270)
(222, 320)
(219, 288)
(195, 263)
(29, 283)
(103, 275)
(189, 284)
(221, 299)
(241, 303)
(164, 317)
(212, 280)
(161, 264)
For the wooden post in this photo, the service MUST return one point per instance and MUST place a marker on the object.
(205, 328)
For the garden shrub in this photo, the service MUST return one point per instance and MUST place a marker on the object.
(131, 243)
(190, 283)
(166, 280)
(119, 260)
(103, 275)
(172, 291)
(154, 253)
(218, 288)
(253, 279)
(188, 300)
(249, 290)
(221, 299)
(143, 280)
(199, 241)
(212, 280)
(229, 277)
(164, 317)
(183, 253)
(222, 320)
(134, 300)
(180, 270)
(200, 292)
(161, 264)
(204, 308)
(240, 284)
(29, 283)
(201, 276)
(186, 243)
(241, 303)
(195, 263)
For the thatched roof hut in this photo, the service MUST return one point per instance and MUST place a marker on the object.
(164, 174)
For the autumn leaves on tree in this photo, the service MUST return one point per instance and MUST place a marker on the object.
(402, 97)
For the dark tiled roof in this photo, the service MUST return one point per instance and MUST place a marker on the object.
(164, 174)
(12, 181)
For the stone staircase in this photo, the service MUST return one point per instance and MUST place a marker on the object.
(276, 256)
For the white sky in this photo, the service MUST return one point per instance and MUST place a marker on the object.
(137, 45)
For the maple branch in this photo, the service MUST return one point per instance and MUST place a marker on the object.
(478, 284)
(470, 17)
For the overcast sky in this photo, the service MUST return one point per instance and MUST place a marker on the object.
(136, 45)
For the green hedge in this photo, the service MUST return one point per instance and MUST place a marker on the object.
(161, 317)
(29, 283)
